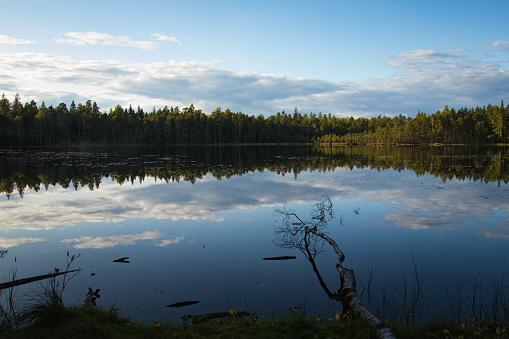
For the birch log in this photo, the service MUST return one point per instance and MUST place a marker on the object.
(348, 291)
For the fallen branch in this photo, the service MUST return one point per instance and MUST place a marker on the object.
(348, 292)
(309, 239)
(23, 281)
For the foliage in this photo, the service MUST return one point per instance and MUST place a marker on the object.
(85, 124)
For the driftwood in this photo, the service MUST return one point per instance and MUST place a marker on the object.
(215, 315)
(23, 281)
(306, 236)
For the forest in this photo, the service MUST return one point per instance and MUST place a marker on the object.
(30, 124)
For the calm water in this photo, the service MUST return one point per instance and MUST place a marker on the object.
(196, 223)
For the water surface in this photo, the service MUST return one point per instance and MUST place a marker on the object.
(196, 223)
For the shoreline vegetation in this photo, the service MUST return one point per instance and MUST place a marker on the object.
(51, 319)
(31, 124)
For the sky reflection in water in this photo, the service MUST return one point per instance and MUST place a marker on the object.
(205, 241)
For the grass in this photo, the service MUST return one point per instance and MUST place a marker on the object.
(89, 321)
(53, 320)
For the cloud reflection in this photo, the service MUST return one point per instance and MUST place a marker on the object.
(414, 202)
(7, 243)
(111, 241)
(167, 242)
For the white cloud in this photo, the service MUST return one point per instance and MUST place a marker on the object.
(114, 240)
(96, 38)
(4, 39)
(162, 37)
(420, 58)
(7, 243)
(500, 43)
(425, 80)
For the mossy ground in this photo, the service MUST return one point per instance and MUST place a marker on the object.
(92, 322)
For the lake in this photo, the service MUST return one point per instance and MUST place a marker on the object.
(426, 229)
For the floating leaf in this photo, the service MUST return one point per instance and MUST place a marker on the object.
(157, 323)
(338, 315)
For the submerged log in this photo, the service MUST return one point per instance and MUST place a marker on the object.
(183, 303)
(23, 281)
(215, 315)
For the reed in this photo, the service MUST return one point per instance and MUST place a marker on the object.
(466, 299)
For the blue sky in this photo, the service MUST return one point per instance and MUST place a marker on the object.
(348, 58)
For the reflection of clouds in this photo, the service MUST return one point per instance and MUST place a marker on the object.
(425, 204)
(414, 220)
(206, 199)
(6, 243)
(167, 242)
(491, 234)
(501, 231)
(416, 202)
(103, 242)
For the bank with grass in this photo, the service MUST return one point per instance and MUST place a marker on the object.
(58, 321)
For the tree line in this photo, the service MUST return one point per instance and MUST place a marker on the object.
(30, 124)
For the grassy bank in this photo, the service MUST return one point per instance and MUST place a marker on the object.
(58, 321)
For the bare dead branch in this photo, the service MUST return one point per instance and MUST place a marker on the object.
(18, 282)
(310, 237)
